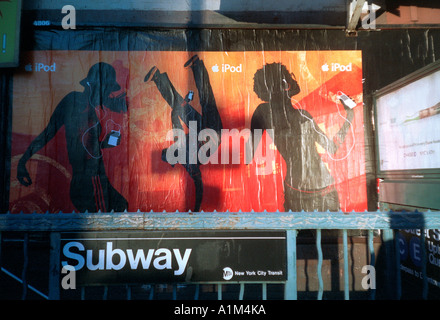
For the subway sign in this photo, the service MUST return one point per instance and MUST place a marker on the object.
(175, 256)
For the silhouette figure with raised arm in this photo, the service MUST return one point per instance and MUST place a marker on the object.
(90, 188)
(182, 111)
(308, 184)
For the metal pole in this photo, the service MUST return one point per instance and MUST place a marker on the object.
(290, 290)
(54, 267)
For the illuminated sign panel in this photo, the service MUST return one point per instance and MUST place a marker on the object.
(408, 120)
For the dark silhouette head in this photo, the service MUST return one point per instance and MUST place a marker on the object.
(101, 76)
(274, 81)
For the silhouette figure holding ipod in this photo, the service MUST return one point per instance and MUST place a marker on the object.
(308, 184)
(90, 188)
(182, 110)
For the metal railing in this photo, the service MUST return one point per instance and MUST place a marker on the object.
(374, 224)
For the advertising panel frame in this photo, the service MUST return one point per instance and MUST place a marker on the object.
(409, 190)
(321, 110)
(197, 40)
(416, 174)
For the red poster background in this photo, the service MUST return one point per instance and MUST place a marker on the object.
(135, 167)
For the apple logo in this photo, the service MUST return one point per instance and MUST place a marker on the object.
(28, 67)
(324, 67)
(215, 68)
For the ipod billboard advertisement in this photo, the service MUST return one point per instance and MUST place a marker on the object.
(177, 130)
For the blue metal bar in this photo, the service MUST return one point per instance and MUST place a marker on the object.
(264, 290)
(128, 292)
(372, 259)
(1, 242)
(219, 220)
(424, 274)
(54, 266)
(151, 295)
(319, 267)
(21, 281)
(197, 292)
(346, 279)
(398, 275)
(290, 289)
(389, 247)
(241, 296)
(219, 291)
(25, 264)
(105, 294)
(175, 292)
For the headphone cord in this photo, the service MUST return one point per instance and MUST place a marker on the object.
(325, 136)
(96, 124)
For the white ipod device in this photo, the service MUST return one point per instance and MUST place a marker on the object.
(347, 100)
(114, 138)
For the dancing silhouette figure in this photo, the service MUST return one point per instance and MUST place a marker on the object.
(90, 188)
(182, 111)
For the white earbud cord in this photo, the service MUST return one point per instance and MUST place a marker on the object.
(97, 123)
(325, 136)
